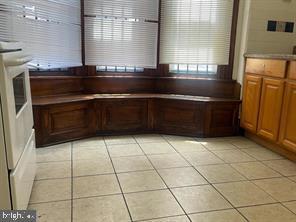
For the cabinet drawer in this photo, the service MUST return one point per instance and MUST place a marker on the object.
(267, 67)
(292, 70)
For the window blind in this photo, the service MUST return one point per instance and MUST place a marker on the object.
(195, 31)
(50, 30)
(121, 32)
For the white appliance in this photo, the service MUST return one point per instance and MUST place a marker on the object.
(17, 137)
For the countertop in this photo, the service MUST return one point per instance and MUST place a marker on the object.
(289, 57)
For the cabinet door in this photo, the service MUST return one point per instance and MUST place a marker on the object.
(288, 121)
(124, 115)
(251, 102)
(270, 108)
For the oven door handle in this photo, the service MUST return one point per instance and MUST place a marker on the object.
(17, 61)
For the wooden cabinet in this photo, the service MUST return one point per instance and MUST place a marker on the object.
(270, 108)
(288, 121)
(251, 102)
(126, 114)
(60, 122)
(267, 67)
(292, 70)
(182, 117)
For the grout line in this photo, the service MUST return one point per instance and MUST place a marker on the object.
(121, 190)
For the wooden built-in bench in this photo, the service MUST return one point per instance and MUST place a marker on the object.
(64, 118)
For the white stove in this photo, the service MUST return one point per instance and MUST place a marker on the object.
(17, 137)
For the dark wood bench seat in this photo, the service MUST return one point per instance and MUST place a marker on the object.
(74, 116)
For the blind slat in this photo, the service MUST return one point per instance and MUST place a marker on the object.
(195, 31)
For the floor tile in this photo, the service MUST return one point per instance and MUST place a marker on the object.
(281, 189)
(172, 138)
(95, 186)
(220, 173)
(167, 161)
(230, 215)
(170, 219)
(188, 146)
(291, 206)
(152, 204)
(200, 198)
(244, 143)
(244, 193)
(268, 213)
(100, 209)
(53, 170)
(56, 153)
(92, 167)
(54, 211)
(51, 190)
(255, 170)
(119, 140)
(88, 154)
(125, 150)
(220, 145)
(202, 158)
(148, 138)
(284, 167)
(94, 142)
(157, 148)
(133, 163)
(233, 156)
(178, 177)
(140, 181)
(262, 154)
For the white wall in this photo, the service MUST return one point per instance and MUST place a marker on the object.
(253, 36)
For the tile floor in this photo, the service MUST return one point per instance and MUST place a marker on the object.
(161, 178)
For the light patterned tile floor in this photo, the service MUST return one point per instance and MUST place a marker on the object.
(163, 178)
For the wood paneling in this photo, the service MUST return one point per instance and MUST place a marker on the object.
(251, 102)
(64, 122)
(268, 67)
(292, 70)
(124, 115)
(270, 108)
(221, 119)
(198, 87)
(118, 84)
(179, 117)
(288, 121)
(55, 85)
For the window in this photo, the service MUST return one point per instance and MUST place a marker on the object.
(50, 30)
(193, 69)
(121, 33)
(119, 69)
(196, 31)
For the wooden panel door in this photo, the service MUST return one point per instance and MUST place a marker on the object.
(270, 108)
(292, 70)
(125, 115)
(251, 102)
(288, 121)
(179, 117)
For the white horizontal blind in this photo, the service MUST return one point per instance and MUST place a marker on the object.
(50, 30)
(195, 31)
(121, 32)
